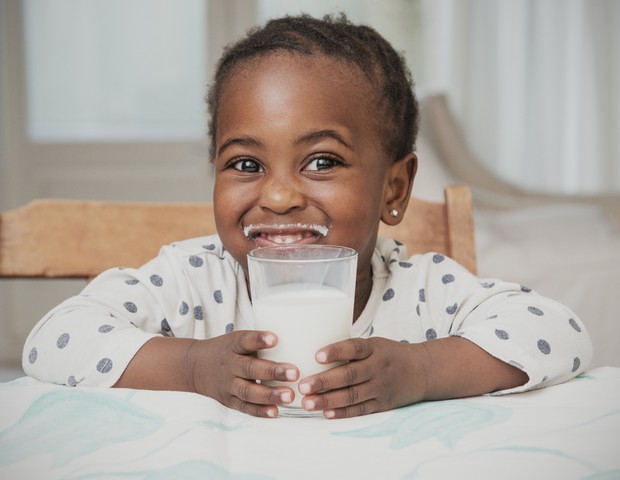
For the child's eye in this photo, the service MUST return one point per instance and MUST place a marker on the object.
(322, 163)
(246, 165)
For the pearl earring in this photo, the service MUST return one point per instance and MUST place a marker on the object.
(393, 213)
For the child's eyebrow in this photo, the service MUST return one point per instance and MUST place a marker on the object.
(321, 134)
(243, 141)
(248, 141)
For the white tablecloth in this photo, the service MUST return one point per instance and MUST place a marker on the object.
(563, 432)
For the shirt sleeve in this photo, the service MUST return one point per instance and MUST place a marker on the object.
(90, 339)
(538, 335)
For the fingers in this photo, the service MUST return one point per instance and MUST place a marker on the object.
(359, 387)
(250, 341)
(351, 373)
(344, 403)
(246, 365)
(239, 368)
(351, 349)
(245, 391)
(360, 399)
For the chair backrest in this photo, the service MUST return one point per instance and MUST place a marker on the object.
(80, 239)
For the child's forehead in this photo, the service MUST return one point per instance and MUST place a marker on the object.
(304, 92)
(330, 68)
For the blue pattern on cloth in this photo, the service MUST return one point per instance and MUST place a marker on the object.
(448, 422)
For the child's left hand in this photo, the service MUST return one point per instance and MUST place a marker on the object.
(380, 375)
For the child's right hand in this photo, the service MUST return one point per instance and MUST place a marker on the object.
(226, 368)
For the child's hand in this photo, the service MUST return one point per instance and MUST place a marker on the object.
(226, 367)
(381, 374)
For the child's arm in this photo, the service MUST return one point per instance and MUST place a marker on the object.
(224, 368)
(385, 374)
(453, 335)
(138, 328)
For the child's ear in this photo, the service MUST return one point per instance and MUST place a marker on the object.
(399, 181)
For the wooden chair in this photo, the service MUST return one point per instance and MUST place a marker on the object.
(80, 239)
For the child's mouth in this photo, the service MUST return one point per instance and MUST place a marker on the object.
(267, 235)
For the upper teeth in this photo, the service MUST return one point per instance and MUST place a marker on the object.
(287, 237)
(279, 238)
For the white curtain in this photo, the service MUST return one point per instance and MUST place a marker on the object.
(535, 85)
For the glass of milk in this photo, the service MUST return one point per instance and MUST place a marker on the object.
(304, 294)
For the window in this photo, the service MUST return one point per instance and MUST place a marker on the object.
(115, 70)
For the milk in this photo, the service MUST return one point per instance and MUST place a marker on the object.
(305, 317)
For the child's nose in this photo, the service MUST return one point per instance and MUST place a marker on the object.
(281, 195)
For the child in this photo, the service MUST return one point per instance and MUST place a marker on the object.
(313, 128)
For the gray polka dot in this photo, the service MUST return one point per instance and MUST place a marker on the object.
(422, 295)
(104, 365)
(437, 258)
(105, 328)
(573, 323)
(417, 309)
(372, 330)
(487, 284)
(576, 364)
(130, 307)
(184, 308)
(404, 341)
(32, 356)
(544, 346)
(452, 309)
(132, 281)
(448, 278)
(491, 317)
(393, 260)
(218, 297)
(71, 381)
(157, 280)
(165, 326)
(535, 311)
(399, 243)
(198, 315)
(211, 246)
(230, 327)
(388, 295)
(195, 261)
(405, 264)
(525, 289)
(63, 340)
(430, 334)
(502, 334)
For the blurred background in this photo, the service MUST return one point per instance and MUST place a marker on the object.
(105, 100)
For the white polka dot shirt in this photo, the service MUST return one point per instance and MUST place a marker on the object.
(196, 289)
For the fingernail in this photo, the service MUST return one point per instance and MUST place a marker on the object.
(286, 397)
(304, 388)
(269, 339)
(291, 374)
(321, 357)
(271, 413)
(329, 414)
(309, 404)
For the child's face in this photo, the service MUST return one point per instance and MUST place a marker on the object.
(299, 157)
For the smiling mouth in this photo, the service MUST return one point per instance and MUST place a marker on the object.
(285, 234)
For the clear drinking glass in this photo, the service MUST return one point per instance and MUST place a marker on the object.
(305, 295)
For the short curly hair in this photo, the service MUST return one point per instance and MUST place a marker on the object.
(333, 36)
